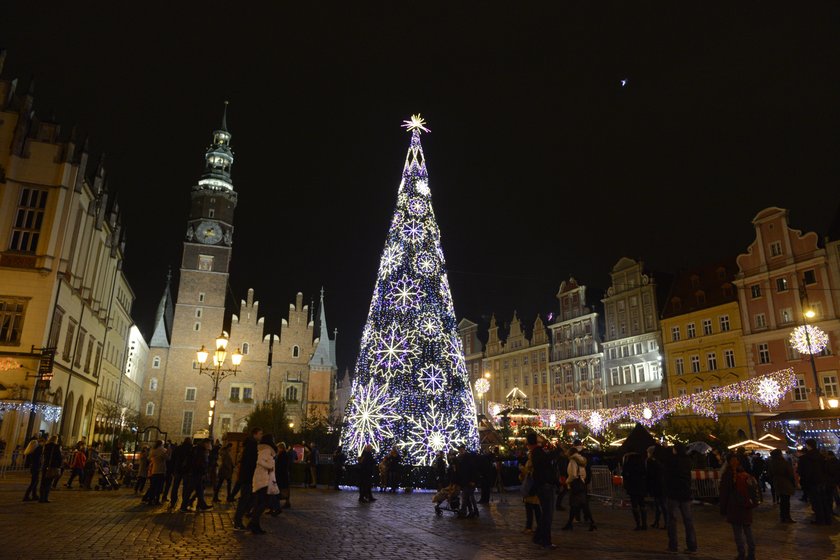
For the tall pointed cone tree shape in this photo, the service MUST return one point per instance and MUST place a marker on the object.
(411, 389)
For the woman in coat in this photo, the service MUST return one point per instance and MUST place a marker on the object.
(264, 482)
(51, 463)
(784, 483)
(283, 473)
(156, 472)
(634, 473)
(367, 465)
(736, 505)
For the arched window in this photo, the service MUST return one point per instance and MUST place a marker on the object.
(156, 362)
(245, 348)
(153, 384)
(295, 351)
(291, 392)
(150, 409)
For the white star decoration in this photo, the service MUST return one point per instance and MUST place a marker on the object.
(391, 259)
(413, 231)
(404, 294)
(394, 351)
(429, 325)
(430, 433)
(416, 122)
(425, 263)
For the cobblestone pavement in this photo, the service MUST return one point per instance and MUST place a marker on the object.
(326, 524)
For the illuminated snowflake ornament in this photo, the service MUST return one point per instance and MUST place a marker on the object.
(769, 392)
(429, 326)
(596, 423)
(426, 264)
(394, 351)
(430, 433)
(482, 385)
(808, 339)
(404, 294)
(391, 259)
(371, 410)
(423, 187)
(412, 231)
(431, 378)
(417, 206)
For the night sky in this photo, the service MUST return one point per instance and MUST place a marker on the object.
(541, 163)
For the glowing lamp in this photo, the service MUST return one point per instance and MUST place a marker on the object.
(236, 358)
(833, 403)
(810, 313)
(221, 342)
(202, 355)
(647, 413)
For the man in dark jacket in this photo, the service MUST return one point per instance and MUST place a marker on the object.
(784, 483)
(545, 484)
(194, 487)
(51, 461)
(466, 475)
(181, 468)
(339, 459)
(812, 475)
(634, 474)
(488, 476)
(367, 466)
(34, 461)
(678, 494)
(247, 466)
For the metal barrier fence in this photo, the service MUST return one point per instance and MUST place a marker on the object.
(705, 485)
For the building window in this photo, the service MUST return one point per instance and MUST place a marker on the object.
(755, 291)
(150, 409)
(55, 328)
(707, 327)
(68, 339)
(201, 297)
(197, 326)
(156, 362)
(724, 323)
(245, 348)
(637, 348)
(627, 372)
(614, 380)
(625, 351)
(613, 354)
(830, 388)
(153, 384)
(187, 423)
(695, 363)
(651, 345)
(654, 371)
(679, 366)
(30, 215)
(89, 354)
(189, 394)
(729, 357)
(763, 353)
(291, 394)
(690, 330)
(526, 380)
(809, 277)
(786, 315)
(760, 321)
(198, 311)
(800, 392)
(234, 393)
(296, 353)
(776, 249)
(640, 373)
(790, 352)
(205, 263)
(711, 361)
(781, 284)
(681, 392)
(12, 312)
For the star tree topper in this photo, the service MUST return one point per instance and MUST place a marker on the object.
(416, 122)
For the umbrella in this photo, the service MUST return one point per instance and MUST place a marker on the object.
(699, 446)
(638, 440)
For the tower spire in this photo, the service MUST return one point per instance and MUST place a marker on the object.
(218, 160)
(224, 118)
(324, 354)
(163, 318)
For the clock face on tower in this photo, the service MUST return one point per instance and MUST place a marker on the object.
(208, 232)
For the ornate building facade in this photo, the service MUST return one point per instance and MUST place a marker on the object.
(633, 363)
(576, 356)
(291, 364)
(518, 362)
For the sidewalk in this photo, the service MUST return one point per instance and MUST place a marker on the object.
(329, 525)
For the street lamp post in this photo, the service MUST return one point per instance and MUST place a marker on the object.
(217, 372)
(810, 314)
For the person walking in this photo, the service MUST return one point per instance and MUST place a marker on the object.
(339, 460)
(655, 475)
(263, 482)
(529, 497)
(578, 498)
(91, 464)
(51, 467)
(157, 463)
(784, 483)
(367, 466)
(312, 462)
(77, 466)
(737, 502)
(466, 475)
(634, 475)
(32, 455)
(224, 473)
(197, 477)
(283, 474)
(545, 486)
(181, 465)
(247, 466)
(678, 495)
(812, 476)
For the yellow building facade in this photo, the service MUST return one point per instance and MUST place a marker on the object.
(703, 341)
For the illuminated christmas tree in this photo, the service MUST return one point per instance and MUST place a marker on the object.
(411, 388)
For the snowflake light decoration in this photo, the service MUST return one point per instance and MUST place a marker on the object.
(481, 385)
(412, 230)
(417, 206)
(404, 294)
(394, 351)
(423, 187)
(596, 422)
(801, 336)
(453, 351)
(431, 378)
(429, 326)
(769, 392)
(430, 433)
(426, 264)
(371, 411)
(391, 259)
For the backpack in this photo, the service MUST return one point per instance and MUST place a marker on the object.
(753, 497)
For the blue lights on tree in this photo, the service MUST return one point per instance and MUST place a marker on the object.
(411, 388)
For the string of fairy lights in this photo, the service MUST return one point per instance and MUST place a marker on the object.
(765, 390)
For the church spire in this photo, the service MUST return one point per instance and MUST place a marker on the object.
(218, 160)
(324, 355)
(163, 318)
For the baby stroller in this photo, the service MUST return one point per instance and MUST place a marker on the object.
(451, 495)
(107, 480)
